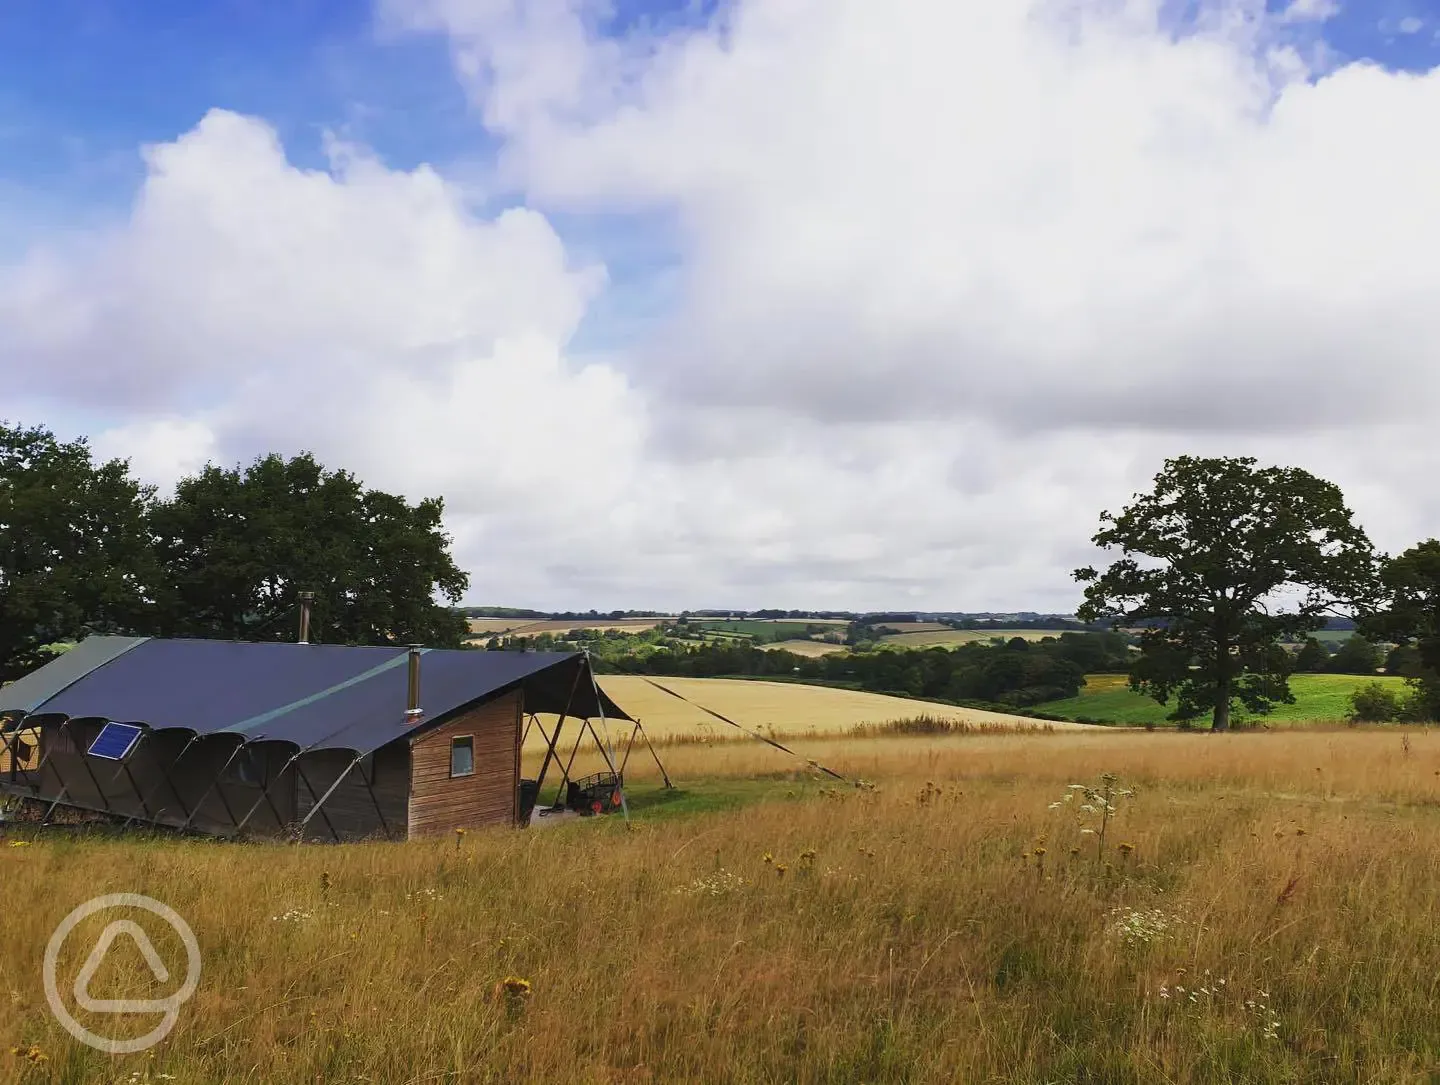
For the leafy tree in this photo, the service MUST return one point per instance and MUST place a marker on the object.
(74, 554)
(1312, 658)
(1375, 703)
(238, 546)
(1206, 557)
(1355, 656)
(1409, 616)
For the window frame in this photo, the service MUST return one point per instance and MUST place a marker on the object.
(455, 742)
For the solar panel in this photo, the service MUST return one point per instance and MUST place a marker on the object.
(115, 741)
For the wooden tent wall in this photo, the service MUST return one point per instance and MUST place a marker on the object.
(440, 804)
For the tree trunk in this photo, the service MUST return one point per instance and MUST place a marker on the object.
(1222, 710)
(1222, 695)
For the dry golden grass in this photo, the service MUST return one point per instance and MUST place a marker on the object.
(914, 932)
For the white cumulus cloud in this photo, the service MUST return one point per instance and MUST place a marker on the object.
(952, 278)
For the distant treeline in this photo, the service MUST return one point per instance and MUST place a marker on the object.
(555, 615)
(1017, 673)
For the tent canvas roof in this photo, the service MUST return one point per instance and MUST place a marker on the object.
(316, 696)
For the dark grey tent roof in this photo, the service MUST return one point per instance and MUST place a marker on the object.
(315, 696)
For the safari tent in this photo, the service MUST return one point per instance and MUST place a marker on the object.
(305, 741)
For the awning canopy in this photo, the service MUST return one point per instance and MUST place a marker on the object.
(314, 696)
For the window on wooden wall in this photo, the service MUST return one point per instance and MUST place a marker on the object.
(462, 756)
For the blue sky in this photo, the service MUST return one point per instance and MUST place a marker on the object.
(83, 83)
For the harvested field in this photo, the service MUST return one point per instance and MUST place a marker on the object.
(788, 708)
(805, 647)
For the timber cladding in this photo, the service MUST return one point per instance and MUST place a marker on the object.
(439, 803)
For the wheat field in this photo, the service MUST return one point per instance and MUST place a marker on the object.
(1264, 911)
(787, 708)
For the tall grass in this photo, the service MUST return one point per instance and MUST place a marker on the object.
(946, 926)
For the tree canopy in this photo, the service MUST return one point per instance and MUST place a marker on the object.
(1312, 657)
(1409, 616)
(75, 556)
(238, 546)
(1219, 562)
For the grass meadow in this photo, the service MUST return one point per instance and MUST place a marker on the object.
(1318, 697)
(1263, 911)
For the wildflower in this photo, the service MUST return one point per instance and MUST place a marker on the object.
(780, 869)
(713, 885)
(768, 858)
(1039, 850)
(31, 1054)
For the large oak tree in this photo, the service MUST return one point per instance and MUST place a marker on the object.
(1220, 562)
(238, 546)
(1409, 616)
(75, 556)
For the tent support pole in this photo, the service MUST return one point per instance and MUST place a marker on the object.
(319, 807)
(5, 738)
(319, 803)
(552, 743)
(59, 777)
(384, 825)
(165, 774)
(135, 787)
(264, 793)
(551, 754)
(630, 745)
(214, 784)
(565, 773)
(85, 760)
(609, 750)
(50, 812)
(651, 747)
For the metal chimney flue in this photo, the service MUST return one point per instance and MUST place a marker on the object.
(412, 701)
(306, 598)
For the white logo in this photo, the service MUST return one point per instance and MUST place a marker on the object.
(169, 1007)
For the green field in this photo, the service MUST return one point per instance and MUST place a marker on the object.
(766, 630)
(1107, 697)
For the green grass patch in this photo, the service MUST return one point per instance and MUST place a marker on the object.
(706, 796)
(1108, 698)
